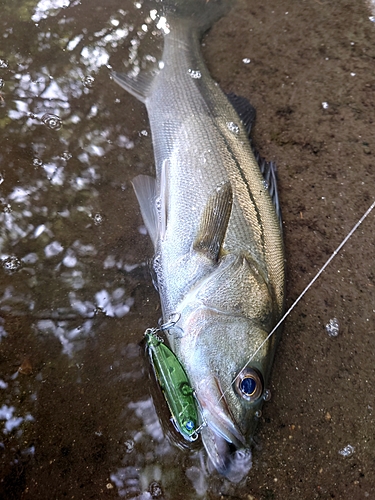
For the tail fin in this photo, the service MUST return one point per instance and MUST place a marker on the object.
(200, 13)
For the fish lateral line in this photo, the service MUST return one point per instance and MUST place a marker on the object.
(286, 314)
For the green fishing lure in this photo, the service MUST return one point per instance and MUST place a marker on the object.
(175, 386)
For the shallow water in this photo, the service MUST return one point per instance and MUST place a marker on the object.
(77, 419)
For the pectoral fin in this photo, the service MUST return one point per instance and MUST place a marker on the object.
(138, 86)
(153, 203)
(214, 222)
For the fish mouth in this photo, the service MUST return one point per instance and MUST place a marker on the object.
(229, 461)
(224, 443)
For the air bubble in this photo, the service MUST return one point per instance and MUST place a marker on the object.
(332, 327)
(155, 490)
(1, 178)
(7, 209)
(195, 73)
(258, 414)
(347, 451)
(325, 105)
(37, 162)
(233, 127)
(88, 81)
(246, 60)
(52, 121)
(158, 204)
(129, 446)
(267, 395)
(66, 156)
(98, 219)
(3, 64)
(1, 83)
(11, 264)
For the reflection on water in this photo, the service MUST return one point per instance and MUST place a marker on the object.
(75, 297)
(75, 409)
(77, 419)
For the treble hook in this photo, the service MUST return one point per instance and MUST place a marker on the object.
(173, 319)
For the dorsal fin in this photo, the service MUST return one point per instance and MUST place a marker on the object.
(269, 172)
(247, 114)
(244, 109)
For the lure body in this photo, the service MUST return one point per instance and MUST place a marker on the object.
(175, 386)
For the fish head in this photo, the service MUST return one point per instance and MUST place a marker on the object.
(228, 369)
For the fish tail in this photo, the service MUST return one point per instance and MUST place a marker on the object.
(189, 19)
(200, 14)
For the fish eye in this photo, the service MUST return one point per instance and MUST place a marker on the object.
(249, 384)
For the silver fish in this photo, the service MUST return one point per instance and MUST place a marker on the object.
(219, 260)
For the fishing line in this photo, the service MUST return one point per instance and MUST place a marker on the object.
(347, 237)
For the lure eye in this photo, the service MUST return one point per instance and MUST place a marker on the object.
(249, 384)
(190, 425)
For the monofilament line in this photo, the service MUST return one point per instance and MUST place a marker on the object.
(347, 237)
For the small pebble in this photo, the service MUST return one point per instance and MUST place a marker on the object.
(26, 367)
